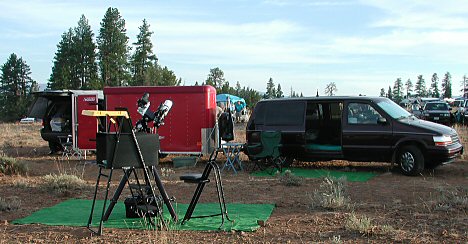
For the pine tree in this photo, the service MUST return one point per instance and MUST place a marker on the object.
(434, 90)
(409, 88)
(331, 89)
(464, 85)
(16, 86)
(113, 50)
(216, 79)
(279, 92)
(397, 90)
(270, 90)
(64, 71)
(85, 49)
(389, 93)
(382, 92)
(143, 58)
(420, 87)
(447, 85)
(168, 78)
(238, 89)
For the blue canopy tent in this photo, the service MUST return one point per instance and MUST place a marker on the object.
(233, 99)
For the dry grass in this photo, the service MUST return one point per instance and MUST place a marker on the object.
(11, 166)
(331, 194)
(64, 184)
(462, 135)
(449, 198)
(9, 204)
(363, 225)
(20, 135)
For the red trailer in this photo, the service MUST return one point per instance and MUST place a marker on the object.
(189, 128)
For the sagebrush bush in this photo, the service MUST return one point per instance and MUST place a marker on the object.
(64, 183)
(361, 224)
(289, 179)
(9, 204)
(11, 166)
(451, 198)
(364, 226)
(331, 194)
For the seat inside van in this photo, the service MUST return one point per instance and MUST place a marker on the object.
(323, 126)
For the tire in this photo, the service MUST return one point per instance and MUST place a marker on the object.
(55, 147)
(411, 160)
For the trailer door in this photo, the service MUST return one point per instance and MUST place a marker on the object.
(86, 126)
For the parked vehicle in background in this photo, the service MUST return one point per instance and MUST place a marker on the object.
(353, 128)
(27, 120)
(438, 112)
(415, 109)
(458, 110)
(190, 126)
(60, 111)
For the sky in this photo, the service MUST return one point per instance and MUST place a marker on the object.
(361, 45)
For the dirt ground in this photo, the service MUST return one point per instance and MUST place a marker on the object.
(424, 209)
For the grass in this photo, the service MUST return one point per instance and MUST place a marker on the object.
(64, 184)
(11, 166)
(167, 172)
(23, 183)
(20, 135)
(331, 194)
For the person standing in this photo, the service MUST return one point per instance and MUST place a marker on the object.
(239, 106)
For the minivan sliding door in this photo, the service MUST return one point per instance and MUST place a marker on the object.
(288, 117)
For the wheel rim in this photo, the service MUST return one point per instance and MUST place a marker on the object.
(407, 161)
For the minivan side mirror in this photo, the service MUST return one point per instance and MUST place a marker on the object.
(381, 121)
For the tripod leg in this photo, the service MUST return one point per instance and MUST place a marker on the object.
(117, 193)
(164, 195)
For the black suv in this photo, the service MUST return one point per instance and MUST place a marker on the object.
(354, 128)
(438, 112)
(59, 114)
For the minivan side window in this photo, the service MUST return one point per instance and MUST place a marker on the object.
(286, 113)
(362, 113)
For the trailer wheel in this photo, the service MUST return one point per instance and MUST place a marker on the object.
(411, 160)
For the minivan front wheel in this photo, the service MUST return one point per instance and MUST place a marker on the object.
(411, 160)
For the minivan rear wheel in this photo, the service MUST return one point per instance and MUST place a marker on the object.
(411, 160)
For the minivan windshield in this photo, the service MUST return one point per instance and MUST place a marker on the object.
(393, 109)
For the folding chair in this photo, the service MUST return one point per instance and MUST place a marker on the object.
(201, 180)
(67, 147)
(267, 153)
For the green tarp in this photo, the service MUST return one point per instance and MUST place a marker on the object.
(318, 173)
(75, 212)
